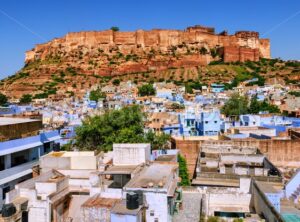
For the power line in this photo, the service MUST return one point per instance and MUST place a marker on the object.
(281, 23)
(22, 25)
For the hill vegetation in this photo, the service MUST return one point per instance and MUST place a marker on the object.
(49, 77)
(239, 105)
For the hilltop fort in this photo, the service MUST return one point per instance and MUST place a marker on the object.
(79, 60)
(242, 46)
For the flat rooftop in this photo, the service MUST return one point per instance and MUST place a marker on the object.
(195, 138)
(120, 169)
(250, 128)
(10, 121)
(131, 145)
(216, 182)
(156, 174)
(166, 158)
(266, 187)
(71, 153)
(120, 208)
(100, 202)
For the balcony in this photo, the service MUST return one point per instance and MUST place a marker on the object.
(17, 172)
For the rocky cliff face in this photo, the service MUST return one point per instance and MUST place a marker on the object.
(86, 56)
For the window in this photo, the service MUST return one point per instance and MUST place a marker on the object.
(156, 220)
(47, 147)
(2, 163)
(216, 121)
(152, 213)
(206, 122)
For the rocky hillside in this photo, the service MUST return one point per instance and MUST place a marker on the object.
(74, 63)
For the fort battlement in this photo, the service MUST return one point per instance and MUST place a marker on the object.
(243, 45)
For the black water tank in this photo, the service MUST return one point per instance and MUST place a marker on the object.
(8, 210)
(132, 201)
(141, 198)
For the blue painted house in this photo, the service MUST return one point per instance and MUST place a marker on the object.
(19, 156)
(217, 88)
(209, 123)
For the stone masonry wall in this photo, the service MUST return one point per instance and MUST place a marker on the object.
(240, 46)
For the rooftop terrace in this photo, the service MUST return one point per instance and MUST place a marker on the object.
(10, 121)
(155, 175)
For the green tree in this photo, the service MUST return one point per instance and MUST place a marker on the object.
(188, 89)
(203, 51)
(196, 85)
(236, 105)
(294, 93)
(40, 96)
(159, 141)
(116, 82)
(254, 107)
(265, 106)
(115, 28)
(100, 132)
(183, 172)
(146, 90)
(118, 126)
(3, 99)
(95, 95)
(26, 98)
(177, 106)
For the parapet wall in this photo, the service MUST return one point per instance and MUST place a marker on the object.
(279, 152)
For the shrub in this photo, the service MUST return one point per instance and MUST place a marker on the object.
(295, 93)
(203, 51)
(26, 98)
(146, 90)
(3, 99)
(116, 82)
(115, 28)
(95, 95)
(183, 172)
(40, 96)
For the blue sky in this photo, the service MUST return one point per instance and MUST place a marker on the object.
(26, 23)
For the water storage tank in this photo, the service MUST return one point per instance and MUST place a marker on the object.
(141, 196)
(8, 210)
(132, 201)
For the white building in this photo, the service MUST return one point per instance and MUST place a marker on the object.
(83, 186)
